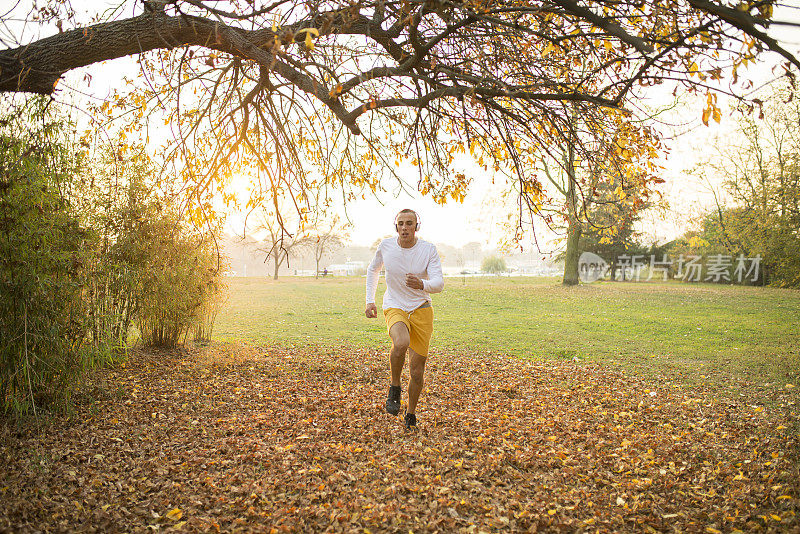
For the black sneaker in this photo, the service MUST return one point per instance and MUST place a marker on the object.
(411, 421)
(393, 400)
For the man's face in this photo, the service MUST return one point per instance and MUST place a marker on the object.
(406, 225)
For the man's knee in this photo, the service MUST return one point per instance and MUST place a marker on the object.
(400, 337)
(400, 345)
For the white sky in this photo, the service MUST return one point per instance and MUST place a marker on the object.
(480, 218)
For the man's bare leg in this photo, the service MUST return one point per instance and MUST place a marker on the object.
(397, 358)
(417, 380)
(400, 340)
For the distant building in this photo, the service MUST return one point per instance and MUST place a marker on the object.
(539, 270)
(529, 269)
(351, 268)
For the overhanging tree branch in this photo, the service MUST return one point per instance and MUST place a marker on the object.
(347, 86)
(746, 23)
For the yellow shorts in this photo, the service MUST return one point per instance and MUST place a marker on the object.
(419, 323)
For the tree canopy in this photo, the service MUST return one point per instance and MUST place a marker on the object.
(349, 88)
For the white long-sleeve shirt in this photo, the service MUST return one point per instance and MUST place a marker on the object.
(421, 260)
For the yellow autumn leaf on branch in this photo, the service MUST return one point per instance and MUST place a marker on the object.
(706, 115)
(311, 33)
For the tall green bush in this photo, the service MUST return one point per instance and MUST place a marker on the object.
(89, 249)
(42, 262)
(118, 198)
(154, 269)
(181, 282)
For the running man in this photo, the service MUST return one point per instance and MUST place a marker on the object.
(413, 272)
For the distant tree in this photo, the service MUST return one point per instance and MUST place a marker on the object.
(447, 253)
(609, 226)
(374, 246)
(596, 181)
(244, 257)
(493, 265)
(277, 243)
(326, 237)
(472, 251)
(460, 263)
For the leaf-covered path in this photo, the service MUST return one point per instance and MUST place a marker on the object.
(297, 441)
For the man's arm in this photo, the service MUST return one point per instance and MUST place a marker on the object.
(373, 272)
(435, 281)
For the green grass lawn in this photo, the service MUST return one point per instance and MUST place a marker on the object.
(722, 336)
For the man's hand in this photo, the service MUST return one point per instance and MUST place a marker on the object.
(372, 311)
(414, 282)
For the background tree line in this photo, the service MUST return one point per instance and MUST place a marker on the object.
(93, 248)
(758, 210)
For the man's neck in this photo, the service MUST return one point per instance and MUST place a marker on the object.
(408, 244)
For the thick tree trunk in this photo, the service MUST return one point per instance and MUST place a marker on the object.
(573, 253)
(36, 67)
(574, 229)
(571, 273)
